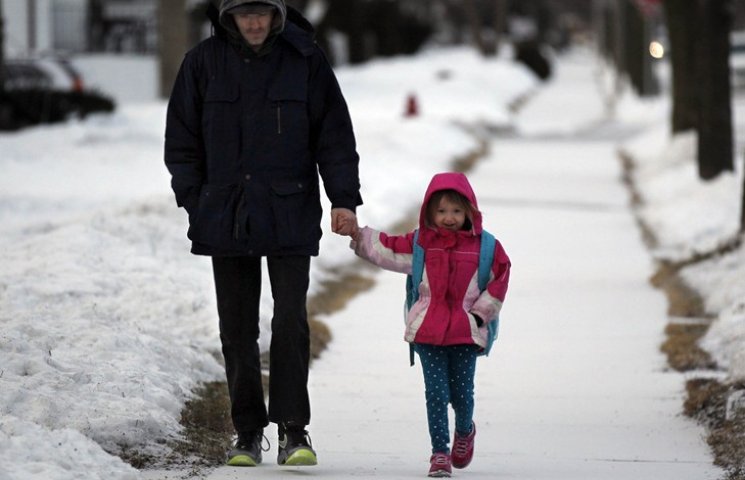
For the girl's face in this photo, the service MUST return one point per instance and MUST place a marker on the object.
(449, 215)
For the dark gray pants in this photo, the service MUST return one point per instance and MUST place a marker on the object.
(238, 287)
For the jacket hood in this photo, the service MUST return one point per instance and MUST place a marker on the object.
(226, 21)
(451, 181)
(296, 29)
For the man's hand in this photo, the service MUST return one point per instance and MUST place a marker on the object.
(343, 221)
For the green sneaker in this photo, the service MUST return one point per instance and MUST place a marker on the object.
(246, 450)
(295, 448)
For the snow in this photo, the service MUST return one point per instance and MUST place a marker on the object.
(692, 217)
(109, 323)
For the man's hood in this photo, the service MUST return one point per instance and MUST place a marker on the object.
(295, 28)
(226, 21)
(451, 181)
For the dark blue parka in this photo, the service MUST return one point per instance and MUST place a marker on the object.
(247, 135)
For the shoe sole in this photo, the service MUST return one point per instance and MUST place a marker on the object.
(302, 457)
(439, 474)
(242, 461)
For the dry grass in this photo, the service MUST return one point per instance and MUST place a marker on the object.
(682, 350)
(706, 402)
(682, 300)
(207, 426)
(728, 444)
(207, 433)
(335, 294)
(681, 342)
(466, 162)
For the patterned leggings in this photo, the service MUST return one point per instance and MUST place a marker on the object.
(448, 378)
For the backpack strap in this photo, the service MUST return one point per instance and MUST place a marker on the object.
(417, 272)
(486, 259)
(413, 281)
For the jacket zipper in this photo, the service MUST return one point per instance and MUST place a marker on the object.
(237, 217)
(279, 120)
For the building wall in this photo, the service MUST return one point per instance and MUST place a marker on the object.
(63, 26)
(69, 25)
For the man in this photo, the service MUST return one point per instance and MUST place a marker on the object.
(255, 114)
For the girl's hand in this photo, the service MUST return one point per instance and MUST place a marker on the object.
(356, 233)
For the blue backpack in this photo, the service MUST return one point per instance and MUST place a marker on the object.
(486, 258)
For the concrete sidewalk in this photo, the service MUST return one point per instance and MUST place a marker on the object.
(575, 387)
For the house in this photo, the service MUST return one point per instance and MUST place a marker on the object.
(74, 26)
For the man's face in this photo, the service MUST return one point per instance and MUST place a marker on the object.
(254, 27)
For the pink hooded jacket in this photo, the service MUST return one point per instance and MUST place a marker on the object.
(448, 294)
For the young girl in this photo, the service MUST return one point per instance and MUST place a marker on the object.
(448, 323)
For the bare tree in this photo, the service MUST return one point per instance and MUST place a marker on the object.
(485, 36)
(474, 24)
(2, 49)
(501, 8)
(636, 25)
(682, 21)
(172, 41)
(742, 205)
(715, 134)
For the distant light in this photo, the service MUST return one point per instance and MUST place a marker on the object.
(656, 49)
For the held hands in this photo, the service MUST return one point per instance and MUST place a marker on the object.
(344, 222)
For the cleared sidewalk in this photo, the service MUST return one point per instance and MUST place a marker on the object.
(574, 389)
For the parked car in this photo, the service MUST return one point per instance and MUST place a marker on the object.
(42, 73)
(737, 59)
(45, 90)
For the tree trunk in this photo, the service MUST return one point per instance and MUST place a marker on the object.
(474, 25)
(348, 16)
(682, 22)
(634, 49)
(500, 22)
(2, 49)
(742, 205)
(715, 113)
(172, 41)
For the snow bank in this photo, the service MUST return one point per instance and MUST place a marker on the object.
(26, 448)
(689, 217)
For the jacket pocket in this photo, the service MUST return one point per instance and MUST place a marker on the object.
(221, 118)
(214, 220)
(295, 219)
(288, 115)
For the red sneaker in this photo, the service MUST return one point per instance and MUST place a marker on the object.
(463, 448)
(439, 465)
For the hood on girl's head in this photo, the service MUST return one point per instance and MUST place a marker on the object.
(228, 7)
(451, 181)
